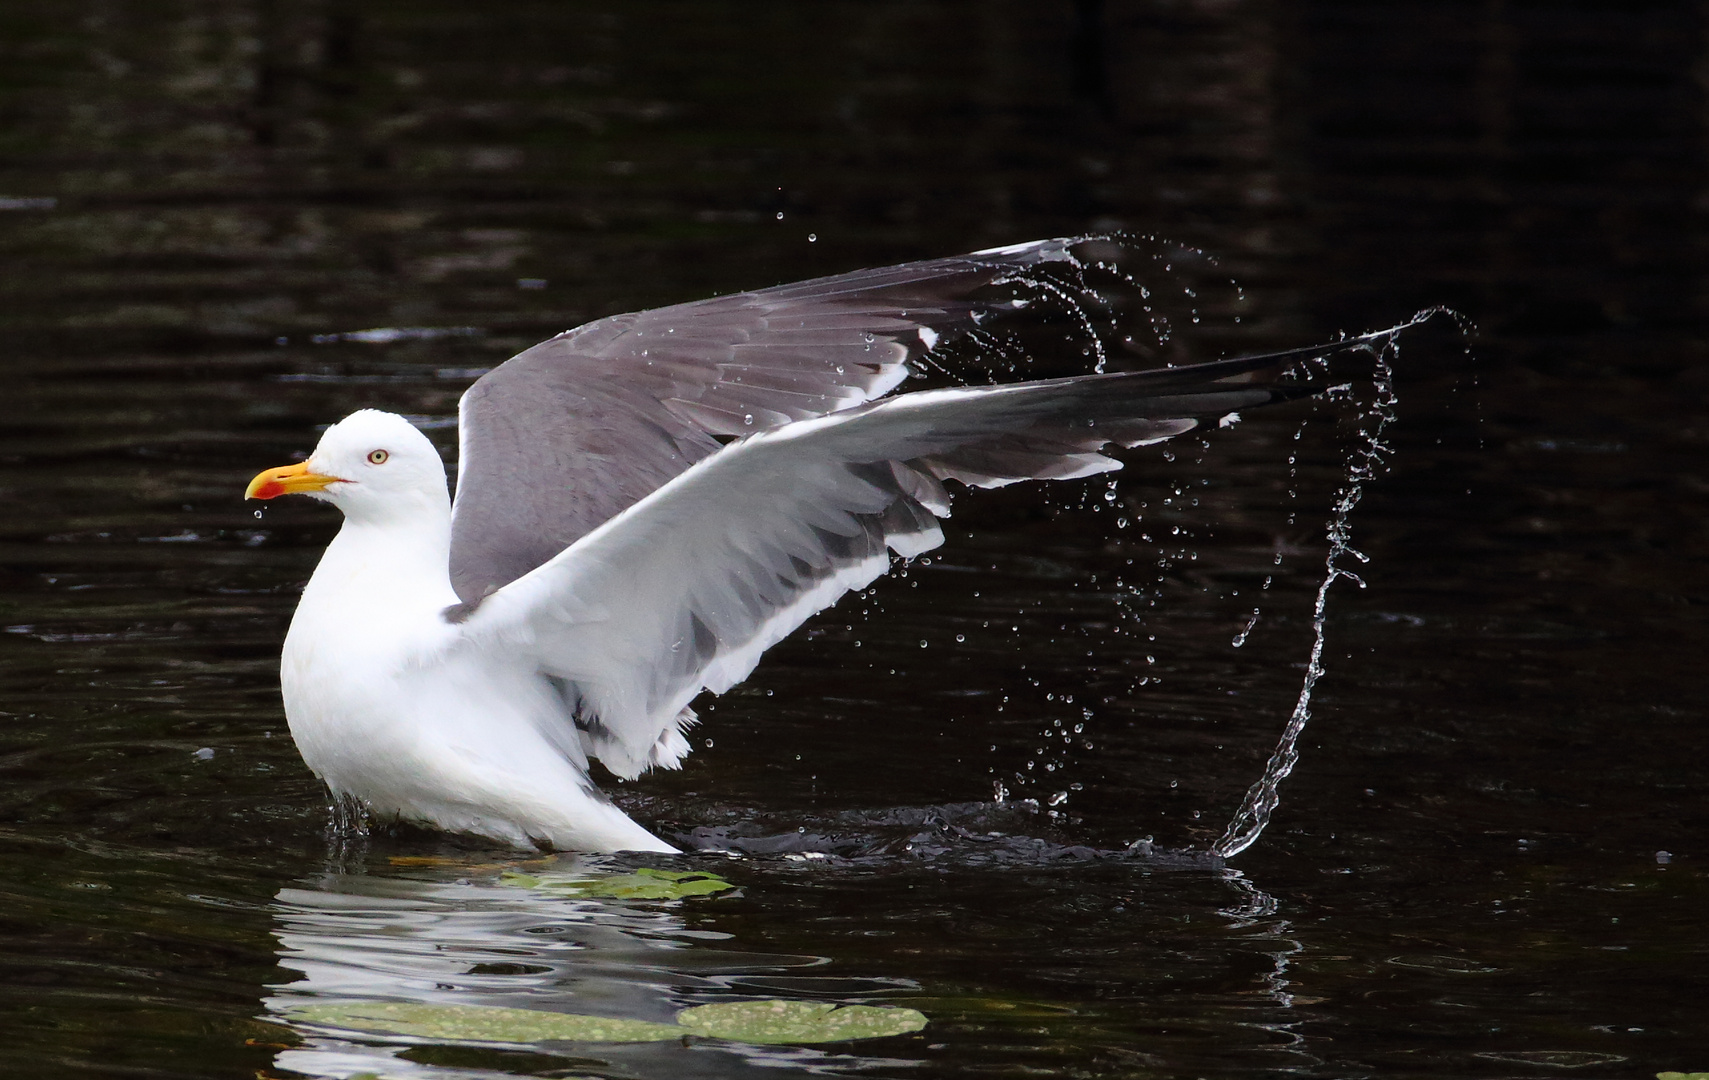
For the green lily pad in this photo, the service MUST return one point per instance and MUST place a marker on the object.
(737, 1021)
(644, 884)
(480, 1023)
(798, 1021)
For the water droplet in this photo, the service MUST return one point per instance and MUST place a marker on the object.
(257, 515)
(812, 238)
(780, 215)
(709, 744)
(748, 419)
(1245, 631)
(960, 637)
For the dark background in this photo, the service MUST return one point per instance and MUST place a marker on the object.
(1490, 860)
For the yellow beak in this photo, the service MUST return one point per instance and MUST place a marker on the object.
(288, 480)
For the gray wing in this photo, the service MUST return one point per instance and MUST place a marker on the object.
(685, 589)
(567, 434)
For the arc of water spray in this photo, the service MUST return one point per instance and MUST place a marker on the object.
(1364, 463)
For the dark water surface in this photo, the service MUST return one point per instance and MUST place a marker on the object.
(1491, 861)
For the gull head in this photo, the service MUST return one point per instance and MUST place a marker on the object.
(372, 465)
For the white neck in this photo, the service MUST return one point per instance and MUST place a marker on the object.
(385, 572)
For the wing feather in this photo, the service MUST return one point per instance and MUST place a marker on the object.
(568, 433)
(684, 590)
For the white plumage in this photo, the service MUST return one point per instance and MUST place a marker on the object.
(391, 704)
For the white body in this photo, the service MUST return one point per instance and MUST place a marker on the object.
(390, 705)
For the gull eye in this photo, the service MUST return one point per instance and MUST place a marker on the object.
(377, 457)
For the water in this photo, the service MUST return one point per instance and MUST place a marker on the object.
(1367, 461)
(224, 225)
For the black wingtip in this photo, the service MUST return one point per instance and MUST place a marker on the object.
(1371, 342)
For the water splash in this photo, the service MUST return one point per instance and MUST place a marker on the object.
(1075, 301)
(1364, 463)
(346, 836)
(1246, 631)
(1107, 288)
(1098, 297)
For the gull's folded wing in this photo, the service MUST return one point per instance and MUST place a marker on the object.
(686, 588)
(566, 434)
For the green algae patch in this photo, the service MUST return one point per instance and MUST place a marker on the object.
(1682, 1076)
(798, 1021)
(480, 1023)
(767, 1022)
(644, 884)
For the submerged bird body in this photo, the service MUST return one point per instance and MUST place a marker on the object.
(611, 554)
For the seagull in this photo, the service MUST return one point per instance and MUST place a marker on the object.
(645, 504)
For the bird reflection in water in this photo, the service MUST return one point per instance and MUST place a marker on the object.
(450, 935)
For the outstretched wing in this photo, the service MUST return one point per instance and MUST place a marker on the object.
(685, 589)
(565, 435)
